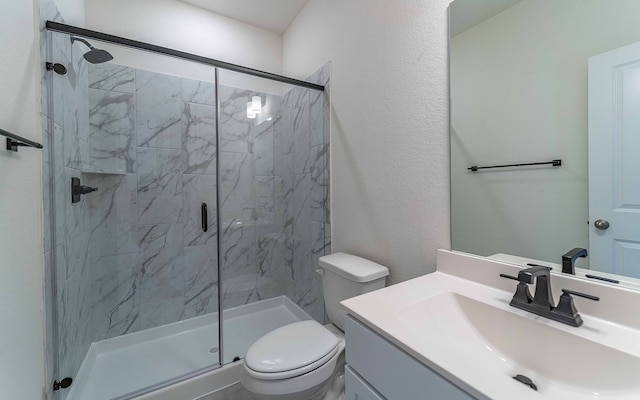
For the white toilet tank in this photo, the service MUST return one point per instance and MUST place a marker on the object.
(345, 276)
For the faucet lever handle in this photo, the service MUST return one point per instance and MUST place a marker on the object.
(586, 296)
(515, 278)
(566, 311)
(522, 295)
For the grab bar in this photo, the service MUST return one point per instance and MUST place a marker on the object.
(14, 141)
(554, 163)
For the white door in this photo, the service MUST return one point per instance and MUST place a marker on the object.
(614, 161)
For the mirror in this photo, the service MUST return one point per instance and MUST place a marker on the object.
(534, 81)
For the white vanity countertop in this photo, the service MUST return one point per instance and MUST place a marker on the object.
(464, 329)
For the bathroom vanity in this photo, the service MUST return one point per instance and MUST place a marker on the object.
(378, 370)
(452, 334)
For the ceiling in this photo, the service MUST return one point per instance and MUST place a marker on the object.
(272, 15)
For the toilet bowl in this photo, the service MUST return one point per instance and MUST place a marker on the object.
(305, 360)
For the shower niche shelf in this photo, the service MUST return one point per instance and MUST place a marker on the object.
(102, 172)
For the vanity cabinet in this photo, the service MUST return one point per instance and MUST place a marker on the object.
(378, 370)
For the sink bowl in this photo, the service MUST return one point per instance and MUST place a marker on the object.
(495, 340)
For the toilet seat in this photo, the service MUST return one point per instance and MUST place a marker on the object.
(290, 351)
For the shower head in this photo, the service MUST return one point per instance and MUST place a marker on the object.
(94, 56)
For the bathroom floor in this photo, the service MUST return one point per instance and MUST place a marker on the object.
(121, 365)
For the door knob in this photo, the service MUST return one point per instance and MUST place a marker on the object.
(601, 224)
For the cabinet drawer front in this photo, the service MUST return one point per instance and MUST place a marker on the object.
(357, 388)
(393, 373)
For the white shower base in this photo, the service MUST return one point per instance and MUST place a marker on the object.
(116, 367)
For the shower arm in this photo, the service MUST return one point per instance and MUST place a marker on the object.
(75, 38)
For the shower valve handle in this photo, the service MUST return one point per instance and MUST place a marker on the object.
(78, 190)
(87, 189)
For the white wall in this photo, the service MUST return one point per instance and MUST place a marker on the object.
(21, 236)
(72, 10)
(184, 27)
(389, 124)
(519, 94)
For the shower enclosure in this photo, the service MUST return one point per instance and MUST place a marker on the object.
(187, 205)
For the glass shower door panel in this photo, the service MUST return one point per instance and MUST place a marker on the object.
(272, 164)
(135, 267)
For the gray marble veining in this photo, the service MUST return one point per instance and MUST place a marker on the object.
(263, 148)
(113, 214)
(112, 131)
(114, 299)
(61, 53)
(318, 171)
(265, 195)
(236, 131)
(201, 280)
(161, 312)
(316, 117)
(284, 133)
(236, 175)
(159, 110)
(198, 92)
(112, 77)
(301, 139)
(159, 185)
(302, 207)
(162, 262)
(308, 288)
(199, 129)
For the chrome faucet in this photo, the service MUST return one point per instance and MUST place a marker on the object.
(569, 260)
(542, 302)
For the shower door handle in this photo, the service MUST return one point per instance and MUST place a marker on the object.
(203, 212)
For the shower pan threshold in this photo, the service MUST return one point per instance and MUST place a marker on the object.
(121, 365)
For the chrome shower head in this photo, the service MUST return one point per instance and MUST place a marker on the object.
(94, 56)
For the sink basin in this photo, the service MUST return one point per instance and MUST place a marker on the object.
(493, 339)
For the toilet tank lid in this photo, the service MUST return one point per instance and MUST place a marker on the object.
(353, 267)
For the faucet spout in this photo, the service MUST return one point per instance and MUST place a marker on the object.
(569, 260)
(542, 297)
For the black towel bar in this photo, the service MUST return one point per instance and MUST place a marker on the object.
(15, 141)
(554, 163)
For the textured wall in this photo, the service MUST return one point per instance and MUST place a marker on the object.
(389, 124)
(21, 232)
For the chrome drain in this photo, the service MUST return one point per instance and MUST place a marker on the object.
(526, 381)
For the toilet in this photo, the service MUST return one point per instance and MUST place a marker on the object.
(305, 360)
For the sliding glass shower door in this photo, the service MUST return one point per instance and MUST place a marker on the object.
(133, 161)
(273, 203)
